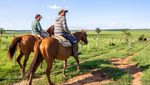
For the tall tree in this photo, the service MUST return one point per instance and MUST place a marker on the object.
(127, 34)
(98, 30)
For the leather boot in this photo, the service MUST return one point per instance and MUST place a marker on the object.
(75, 49)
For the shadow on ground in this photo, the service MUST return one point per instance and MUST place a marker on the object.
(104, 71)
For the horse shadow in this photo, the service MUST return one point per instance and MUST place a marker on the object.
(133, 69)
(144, 67)
(100, 70)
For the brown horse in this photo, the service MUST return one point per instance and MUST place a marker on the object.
(26, 45)
(49, 49)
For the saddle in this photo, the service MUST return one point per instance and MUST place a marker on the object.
(63, 41)
(37, 36)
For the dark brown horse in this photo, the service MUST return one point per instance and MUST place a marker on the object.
(26, 45)
(49, 49)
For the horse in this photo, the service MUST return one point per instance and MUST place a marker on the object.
(49, 49)
(26, 45)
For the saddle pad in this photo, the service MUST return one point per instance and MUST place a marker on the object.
(63, 41)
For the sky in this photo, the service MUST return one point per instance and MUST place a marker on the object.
(83, 14)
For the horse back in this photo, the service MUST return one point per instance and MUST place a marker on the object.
(50, 47)
(27, 43)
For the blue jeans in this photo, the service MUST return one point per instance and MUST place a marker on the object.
(71, 38)
(43, 34)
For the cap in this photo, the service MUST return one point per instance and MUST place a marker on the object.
(62, 10)
(38, 15)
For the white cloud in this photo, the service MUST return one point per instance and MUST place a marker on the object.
(54, 7)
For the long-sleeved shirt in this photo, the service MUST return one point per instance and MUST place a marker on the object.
(61, 26)
(36, 27)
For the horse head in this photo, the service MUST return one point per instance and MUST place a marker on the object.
(81, 36)
(84, 36)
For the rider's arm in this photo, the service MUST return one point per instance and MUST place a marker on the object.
(39, 28)
(65, 27)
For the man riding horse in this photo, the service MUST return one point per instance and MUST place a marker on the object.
(61, 29)
(36, 27)
(49, 48)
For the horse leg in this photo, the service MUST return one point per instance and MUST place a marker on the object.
(76, 56)
(24, 64)
(33, 72)
(48, 69)
(65, 65)
(41, 63)
(19, 58)
(31, 77)
(77, 60)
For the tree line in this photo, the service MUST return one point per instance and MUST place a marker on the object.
(2, 31)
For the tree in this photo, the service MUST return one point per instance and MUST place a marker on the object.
(142, 38)
(127, 34)
(98, 30)
(2, 31)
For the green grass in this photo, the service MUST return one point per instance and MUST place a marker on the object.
(93, 56)
(143, 60)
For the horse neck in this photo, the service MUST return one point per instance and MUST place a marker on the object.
(77, 35)
(50, 31)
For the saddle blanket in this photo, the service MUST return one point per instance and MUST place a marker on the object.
(63, 41)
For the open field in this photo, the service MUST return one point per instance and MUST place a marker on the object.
(97, 55)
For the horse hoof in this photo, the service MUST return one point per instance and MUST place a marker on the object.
(30, 83)
(51, 84)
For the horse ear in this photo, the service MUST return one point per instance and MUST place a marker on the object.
(84, 31)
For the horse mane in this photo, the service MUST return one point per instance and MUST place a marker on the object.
(76, 33)
(50, 30)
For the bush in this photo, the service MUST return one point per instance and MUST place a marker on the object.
(142, 38)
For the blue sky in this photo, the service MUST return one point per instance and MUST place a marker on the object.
(83, 14)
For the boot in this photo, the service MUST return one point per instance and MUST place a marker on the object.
(75, 49)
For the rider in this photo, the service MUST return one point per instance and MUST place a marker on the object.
(61, 28)
(36, 27)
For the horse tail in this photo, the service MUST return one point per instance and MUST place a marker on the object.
(36, 60)
(13, 46)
